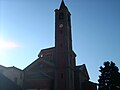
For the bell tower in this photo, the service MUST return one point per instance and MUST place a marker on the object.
(64, 58)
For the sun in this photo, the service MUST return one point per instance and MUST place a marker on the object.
(5, 47)
(5, 44)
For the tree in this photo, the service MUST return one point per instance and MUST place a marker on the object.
(109, 78)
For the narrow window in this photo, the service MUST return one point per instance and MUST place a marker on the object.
(61, 16)
(61, 45)
(61, 31)
(61, 75)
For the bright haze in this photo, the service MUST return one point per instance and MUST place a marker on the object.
(27, 26)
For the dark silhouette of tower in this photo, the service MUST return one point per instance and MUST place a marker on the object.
(64, 55)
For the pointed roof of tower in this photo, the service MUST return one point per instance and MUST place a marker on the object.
(62, 5)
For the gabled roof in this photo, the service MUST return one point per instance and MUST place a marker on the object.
(47, 50)
(8, 68)
(3, 67)
(39, 60)
(82, 69)
(13, 67)
(37, 68)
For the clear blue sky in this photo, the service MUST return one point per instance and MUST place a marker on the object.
(27, 26)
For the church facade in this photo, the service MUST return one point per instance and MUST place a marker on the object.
(55, 68)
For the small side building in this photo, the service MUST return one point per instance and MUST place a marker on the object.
(12, 74)
(82, 79)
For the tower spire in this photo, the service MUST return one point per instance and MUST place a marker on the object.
(62, 4)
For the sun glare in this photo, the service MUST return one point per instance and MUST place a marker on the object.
(5, 47)
(7, 44)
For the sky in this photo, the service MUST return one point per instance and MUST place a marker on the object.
(27, 26)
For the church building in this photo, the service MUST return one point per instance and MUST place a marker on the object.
(55, 68)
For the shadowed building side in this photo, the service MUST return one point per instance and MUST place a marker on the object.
(14, 74)
(7, 84)
(40, 73)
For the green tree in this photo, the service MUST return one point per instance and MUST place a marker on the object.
(109, 78)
